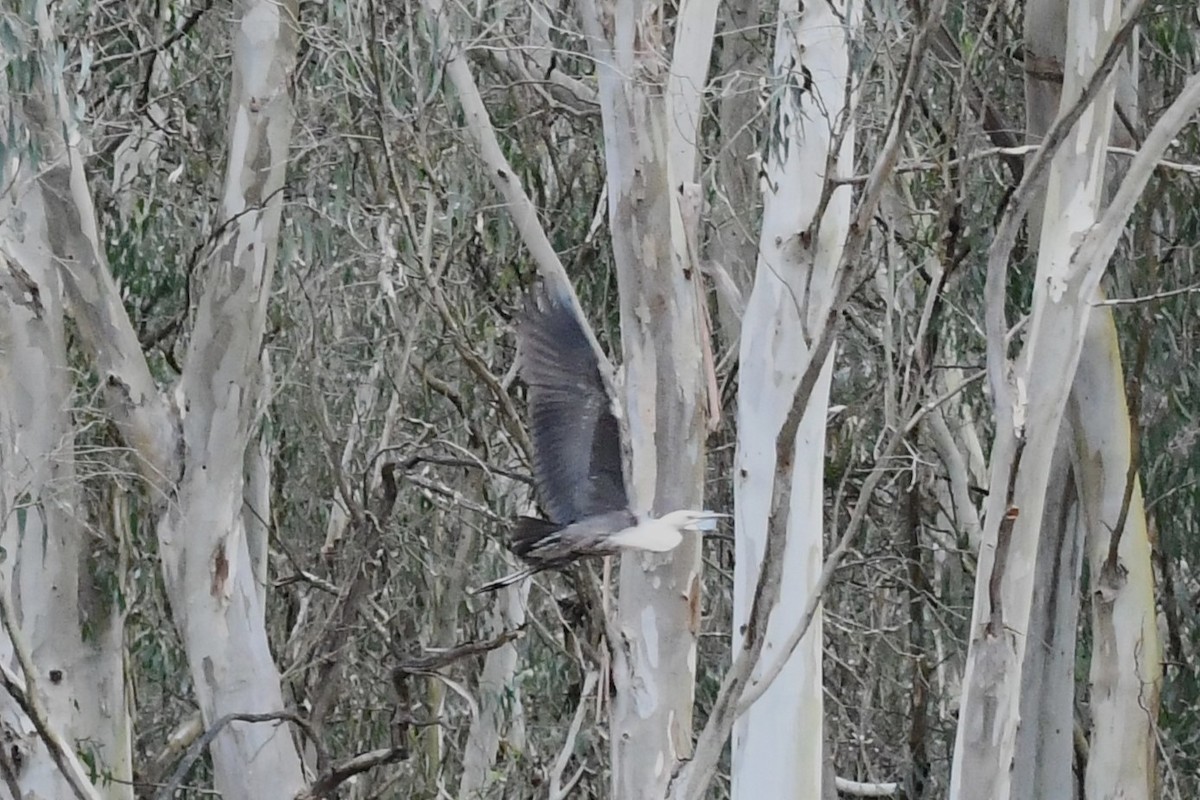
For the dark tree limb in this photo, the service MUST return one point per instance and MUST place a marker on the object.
(343, 771)
(432, 662)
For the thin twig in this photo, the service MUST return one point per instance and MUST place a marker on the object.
(1149, 298)
(1021, 150)
(153, 49)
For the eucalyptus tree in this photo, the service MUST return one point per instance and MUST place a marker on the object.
(1031, 401)
(188, 441)
(778, 743)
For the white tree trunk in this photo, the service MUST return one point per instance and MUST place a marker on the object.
(208, 572)
(985, 747)
(1126, 668)
(1045, 746)
(74, 633)
(778, 742)
(650, 151)
(43, 538)
(1045, 742)
(500, 710)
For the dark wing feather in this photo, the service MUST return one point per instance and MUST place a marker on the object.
(529, 533)
(576, 439)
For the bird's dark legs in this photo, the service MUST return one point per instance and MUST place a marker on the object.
(507, 580)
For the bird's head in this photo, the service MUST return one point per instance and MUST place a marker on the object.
(694, 521)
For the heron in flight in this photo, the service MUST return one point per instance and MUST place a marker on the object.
(577, 454)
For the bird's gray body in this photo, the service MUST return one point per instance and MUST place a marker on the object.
(576, 452)
(560, 546)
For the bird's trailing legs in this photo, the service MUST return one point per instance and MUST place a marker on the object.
(507, 580)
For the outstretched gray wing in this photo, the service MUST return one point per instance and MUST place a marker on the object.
(576, 439)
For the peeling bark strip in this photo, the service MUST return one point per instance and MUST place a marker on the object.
(995, 625)
(220, 571)
(1126, 670)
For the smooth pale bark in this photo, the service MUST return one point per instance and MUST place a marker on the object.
(1126, 669)
(777, 743)
(206, 560)
(985, 746)
(500, 709)
(1124, 663)
(649, 142)
(74, 632)
(1045, 738)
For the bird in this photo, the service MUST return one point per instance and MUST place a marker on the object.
(576, 443)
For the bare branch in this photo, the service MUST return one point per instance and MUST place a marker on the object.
(1091, 259)
(479, 124)
(1150, 298)
(570, 93)
(432, 662)
(343, 771)
(177, 742)
(860, 789)
(834, 559)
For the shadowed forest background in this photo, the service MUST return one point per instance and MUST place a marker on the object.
(313, 461)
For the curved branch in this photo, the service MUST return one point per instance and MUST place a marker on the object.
(343, 771)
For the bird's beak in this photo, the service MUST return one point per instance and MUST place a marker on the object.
(708, 521)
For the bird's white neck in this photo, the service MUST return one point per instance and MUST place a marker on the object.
(656, 535)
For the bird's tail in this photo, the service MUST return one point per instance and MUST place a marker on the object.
(500, 583)
(528, 532)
